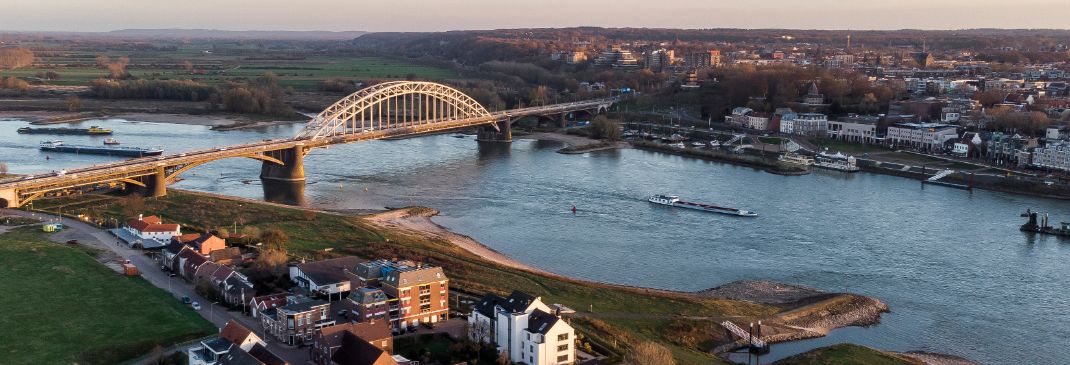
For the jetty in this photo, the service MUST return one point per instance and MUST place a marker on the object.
(1038, 223)
(754, 341)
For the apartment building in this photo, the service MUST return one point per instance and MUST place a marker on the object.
(524, 328)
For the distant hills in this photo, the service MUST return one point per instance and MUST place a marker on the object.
(309, 35)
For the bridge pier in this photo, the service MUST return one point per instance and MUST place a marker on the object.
(562, 122)
(292, 169)
(9, 198)
(155, 184)
(504, 133)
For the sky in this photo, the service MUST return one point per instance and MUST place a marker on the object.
(439, 15)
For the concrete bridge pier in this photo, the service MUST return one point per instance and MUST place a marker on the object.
(9, 198)
(504, 133)
(155, 184)
(562, 121)
(292, 169)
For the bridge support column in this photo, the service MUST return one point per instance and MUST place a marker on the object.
(562, 122)
(9, 198)
(156, 184)
(504, 133)
(293, 168)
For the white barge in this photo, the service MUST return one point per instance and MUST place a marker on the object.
(674, 201)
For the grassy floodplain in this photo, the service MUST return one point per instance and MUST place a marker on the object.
(61, 306)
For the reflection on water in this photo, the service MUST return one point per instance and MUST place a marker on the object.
(285, 192)
(958, 275)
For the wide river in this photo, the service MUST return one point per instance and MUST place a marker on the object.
(959, 276)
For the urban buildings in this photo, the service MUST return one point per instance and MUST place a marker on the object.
(921, 136)
(703, 59)
(295, 322)
(1054, 155)
(418, 293)
(523, 328)
(854, 128)
(326, 277)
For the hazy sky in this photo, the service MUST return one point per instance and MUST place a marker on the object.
(435, 15)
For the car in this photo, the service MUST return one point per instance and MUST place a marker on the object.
(196, 306)
(186, 300)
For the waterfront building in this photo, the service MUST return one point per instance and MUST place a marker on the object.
(417, 293)
(1009, 150)
(327, 277)
(787, 119)
(524, 328)
(854, 128)
(810, 124)
(1053, 155)
(151, 228)
(922, 136)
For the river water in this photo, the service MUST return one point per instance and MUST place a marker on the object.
(959, 276)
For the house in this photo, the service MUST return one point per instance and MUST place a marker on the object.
(186, 263)
(150, 231)
(328, 340)
(226, 282)
(240, 335)
(204, 243)
(209, 352)
(417, 292)
(327, 277)
(221, 351)
(265, 302)
(523, 328)
(810, 124)
(229, 256)
(368, 304)
(1053, 156)
(355, 351)
(295, 322)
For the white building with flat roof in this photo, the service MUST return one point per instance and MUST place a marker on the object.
(1054, 155)
(855, 128)
(923, 136)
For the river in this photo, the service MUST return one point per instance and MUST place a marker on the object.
(958, 275)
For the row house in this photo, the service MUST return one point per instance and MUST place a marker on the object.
(369, 304)
(1009, 150)
(295, 322)
(810, 124)
(186, 263)
(356, 351)
(417, 293)
(524, 329)
(262, 303)
(235, 345)
(328, 340)
(922, 136)
(854, 128)
(1053, 155)
(204, 242)
(232, 286)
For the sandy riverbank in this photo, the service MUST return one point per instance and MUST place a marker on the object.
(575, 144)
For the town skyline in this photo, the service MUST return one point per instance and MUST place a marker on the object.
(69, 16)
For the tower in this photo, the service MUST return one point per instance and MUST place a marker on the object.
(848, 41)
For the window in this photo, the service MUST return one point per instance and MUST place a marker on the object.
(562, 348)
(562, 358)
(562, 337)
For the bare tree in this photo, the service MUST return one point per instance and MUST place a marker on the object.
(103, 60)
(187, 65)
(74, 103)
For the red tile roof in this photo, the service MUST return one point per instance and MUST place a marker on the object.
(235, 332)
(151, 224)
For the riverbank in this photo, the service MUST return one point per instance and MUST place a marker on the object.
(576, 144)
(762, 163)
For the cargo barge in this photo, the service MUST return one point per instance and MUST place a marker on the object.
(59, 146)
(674, 201)
(92, 131)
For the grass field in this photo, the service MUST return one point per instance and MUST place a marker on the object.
(302, 74)
(844, 354)
(848, 147)
(310, 233)
(61, 306)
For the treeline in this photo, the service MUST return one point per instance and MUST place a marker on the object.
(262, 95)
(13, 83)
(15, 57)
(187, 90)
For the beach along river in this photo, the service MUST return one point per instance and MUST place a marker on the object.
(958, 275)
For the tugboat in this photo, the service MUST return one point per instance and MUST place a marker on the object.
(674, 201)
(1042, 227)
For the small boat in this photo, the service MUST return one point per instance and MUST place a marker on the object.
(94, 130)
(677, 145)
(698, 144)
(674, 201)
(797, 159)
(111, 142)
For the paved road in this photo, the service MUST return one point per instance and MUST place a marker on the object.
(217, 314)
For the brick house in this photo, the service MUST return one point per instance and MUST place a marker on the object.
(418, 292)
(327, 277)
(186, 263)
(265, 302)
(327, 340)
(356, 351)
(295, 322)
(204, 243)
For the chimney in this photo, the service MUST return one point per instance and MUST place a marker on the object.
(139, 217)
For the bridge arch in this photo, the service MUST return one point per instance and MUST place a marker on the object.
(395, 104)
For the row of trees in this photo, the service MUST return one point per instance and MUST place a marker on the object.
(15, 57)
(187, 90)
(262, 95)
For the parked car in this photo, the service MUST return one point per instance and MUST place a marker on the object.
(186, 300)
(196, 306)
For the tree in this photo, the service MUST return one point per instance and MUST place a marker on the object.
(603, 128)
(187, 65)
(117, 69)
(3, 168)
(133, 205)
(15, 57)
(103, 60)
(73, 103)
(650, 353)
(274, 238)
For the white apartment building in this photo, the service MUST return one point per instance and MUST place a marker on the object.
(1054, 155)
(924, 136)
(810, 124)
(524, 328)
(857, 129)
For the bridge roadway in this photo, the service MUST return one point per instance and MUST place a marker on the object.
(154, 173)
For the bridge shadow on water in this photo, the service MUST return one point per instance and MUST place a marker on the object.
(284, 192)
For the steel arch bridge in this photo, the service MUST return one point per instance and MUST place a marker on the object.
(387, 110)
(392, 105)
